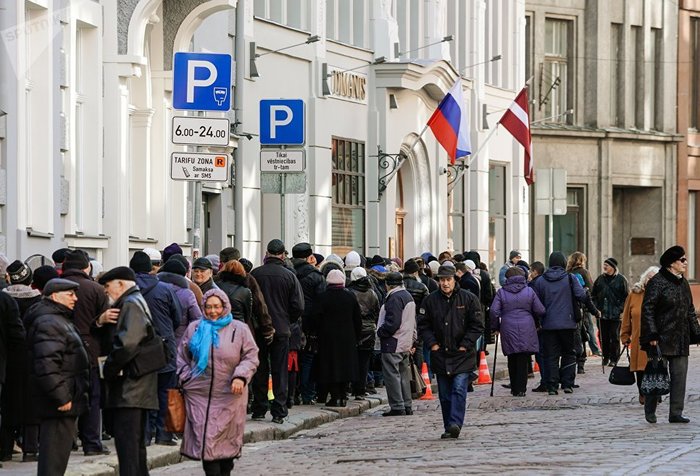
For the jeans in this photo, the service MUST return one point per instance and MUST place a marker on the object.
(517, 371)
(56, 441)
(308, 382)
(452, 390)
(592, 331)
(610, 338)
(426, 359)
(678, 370)
(273, 360)
(156, 418)
(559, 357)
(90, 422)
(397, 380)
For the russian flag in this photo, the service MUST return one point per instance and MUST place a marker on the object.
(449, 124)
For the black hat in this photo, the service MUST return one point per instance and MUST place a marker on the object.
(42, 275)
(247, 265)
(612, 262)
(513, 254)
(557, 259)
(671, 255)
(19, 273)
(394, 279)
(275, 247)
(76, 259)
(120, 272)
(410, 266)
(474, 256)
(446, 272)
(202, 263)
(59, 255)
(375, 260)
(320, 258)
(302, 250)
(174, 266)
(141, 262)
(57, 285)
(182, 260)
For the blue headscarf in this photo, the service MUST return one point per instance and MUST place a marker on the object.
(207, 333)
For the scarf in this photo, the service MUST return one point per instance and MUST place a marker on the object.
(206, 335)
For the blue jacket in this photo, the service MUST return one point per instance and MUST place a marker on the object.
(165, 312)
(554, 288)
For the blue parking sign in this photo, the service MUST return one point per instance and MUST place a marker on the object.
(282, 122)
(202, 81)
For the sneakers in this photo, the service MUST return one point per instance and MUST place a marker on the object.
(394, 413)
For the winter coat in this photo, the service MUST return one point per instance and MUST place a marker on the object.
(14, 369)
(668, 314)
(583, 272)
(207, 285)
(59, 367)
(24, 296)
(416, 289)
(92, 302)
(630, 329)
(133, 326)
(240, 297)
(283, 294)
(451, 322)
(515, 313)
(487, 290)
(429, 282)
(165, 311)
(262, 322)
(369, 309)
(554, 288)
(609, 295)
(190, 306)
(216, 417)
(337, 321)
(378, 281)
(470, 283)
(396, 328)
(502, 272)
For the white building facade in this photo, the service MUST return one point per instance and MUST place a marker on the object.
(85, 142)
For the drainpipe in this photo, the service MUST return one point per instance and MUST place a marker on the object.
(239, 48)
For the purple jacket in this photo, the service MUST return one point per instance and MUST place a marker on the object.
(216, 417)
(514, 313)
(188, 302)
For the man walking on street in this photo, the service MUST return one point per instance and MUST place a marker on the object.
(396, 330)
(609, 293)
(285, 303)
(450, 322)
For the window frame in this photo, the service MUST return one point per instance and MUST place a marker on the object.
(558, 115)
(349, 168)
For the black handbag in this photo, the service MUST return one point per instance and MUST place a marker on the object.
(418, 385)
(656, 380)
(621, 375)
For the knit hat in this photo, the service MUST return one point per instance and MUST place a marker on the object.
(336, 277)
(171, 249)
(513, 254)
(470, 265)
(319, 258)
(59, 255)
(333, 258)
(612, 262)
(120, 272)
(671, 255)
(302, 250)
(182, 260)
(352, 260)
(215, 262)
(434, 266)
(247, 265)
(154, 255)
(394, 279)
(19, 273)
(410, 267)
(58, 285)
(76, 259)
(4, 262)
(358, 273)
(275, 247)
(42, 275)
(398, 262)
(557, 259)
(140, 262)
(95, 269)
(174, 266)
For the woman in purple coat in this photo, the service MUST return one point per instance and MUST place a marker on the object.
(216, 360)
(516, 312)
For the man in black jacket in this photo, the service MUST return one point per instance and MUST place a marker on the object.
(609, 294)
(12, 336)
(450, 322)
(312, 284)
(128, 397)
(285, 303)
(92, 302)
(59, 373)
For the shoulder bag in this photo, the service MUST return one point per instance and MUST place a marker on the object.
(151, 355)
(656, 380)
(621, 374)
(418, 386)
(575, 305)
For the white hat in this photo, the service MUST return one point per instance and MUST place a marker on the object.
(352, 260)
(434, 265)
(336, 277)
(153, 253)
(470, 264)
(96, 267)
(358, 273)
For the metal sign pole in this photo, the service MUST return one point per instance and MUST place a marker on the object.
(551, 212)
(283, 178)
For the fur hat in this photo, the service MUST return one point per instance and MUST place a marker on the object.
(302, 250)
(42, 275)
(394, 279)
(410, 266)
(76, 259)
(671, 255)
(59, 255)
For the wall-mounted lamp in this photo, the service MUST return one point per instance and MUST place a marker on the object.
(254, 55)
(392, 102)
(398, 54)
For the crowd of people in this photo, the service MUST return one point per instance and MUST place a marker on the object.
(81, 348)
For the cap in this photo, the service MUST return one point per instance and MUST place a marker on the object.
(76, 259)
(120, 272)
(201, 263)
(153, 255)
(394, 279)
(275, 247)
(446, 272)
(302, 250)
(57, 285)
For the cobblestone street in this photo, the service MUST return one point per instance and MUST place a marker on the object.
(600, 429)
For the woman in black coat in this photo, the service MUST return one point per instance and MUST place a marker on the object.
(337, 320)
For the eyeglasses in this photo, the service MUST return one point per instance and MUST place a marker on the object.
(214, 306)
(683, 260)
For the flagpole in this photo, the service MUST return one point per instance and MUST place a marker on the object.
(415, 142)
(460, 174)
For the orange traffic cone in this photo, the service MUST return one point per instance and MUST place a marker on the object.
(536, 368)
(270, 395)
(484, 376)
(428, 395)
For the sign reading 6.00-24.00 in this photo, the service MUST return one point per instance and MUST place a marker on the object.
(190, 130)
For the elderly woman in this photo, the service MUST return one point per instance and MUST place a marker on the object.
(216, 359)
(516, 312)
(631, 322)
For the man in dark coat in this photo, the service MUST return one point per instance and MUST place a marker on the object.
(285, 303)
(418, 291)
(12, 342)
(59, 373)
(669, 325)
(92, 302)
(451, 322)
(557, 291)
(313, 285)
(167, 315)
(128, 397)
(203, 274)
(609, 293)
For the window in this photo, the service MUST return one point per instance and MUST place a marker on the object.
(348, 211)
(556, 82)
(653, 76)
(617, 72)
(637, 61)
(346, 21)
(693, 109)
(569, 229)
(497, 217)
(294, 13)
(455, 223)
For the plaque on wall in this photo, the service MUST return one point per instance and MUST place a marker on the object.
(643, 246)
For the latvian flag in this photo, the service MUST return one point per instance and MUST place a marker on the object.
(517, 121)
(449, 124)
